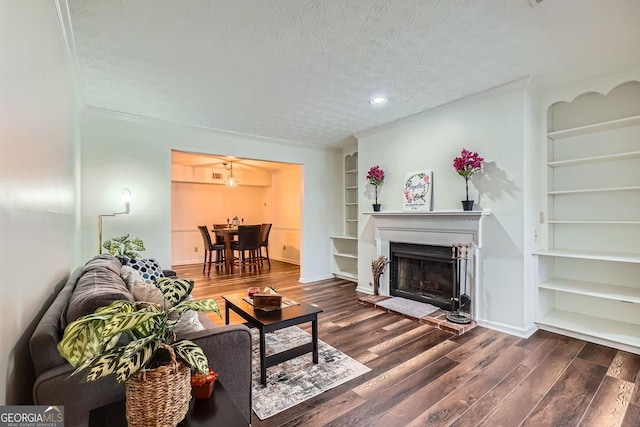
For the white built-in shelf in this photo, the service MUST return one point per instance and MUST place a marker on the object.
(345, 247)
(344, 237)
(596, 159)
(593, 190)
(605, 331)
(596, 127)
(603, 147)
(594, 222)
(345, 255)
(592, 255)
(593, 289)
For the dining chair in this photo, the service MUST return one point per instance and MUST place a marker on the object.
(209, 249)
(265, 229)
(248, 247)
(219, 238)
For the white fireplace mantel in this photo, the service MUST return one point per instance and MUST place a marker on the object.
(442, 228)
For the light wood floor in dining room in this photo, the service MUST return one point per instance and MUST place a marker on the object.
(422, 376)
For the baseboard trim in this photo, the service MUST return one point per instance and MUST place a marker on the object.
(508, 329)
(315, 278)
(366, 290)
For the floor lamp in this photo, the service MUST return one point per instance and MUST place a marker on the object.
(126, 199)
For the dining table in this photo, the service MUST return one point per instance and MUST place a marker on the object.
(227, 233)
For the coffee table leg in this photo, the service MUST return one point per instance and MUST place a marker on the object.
(263, 364)
(226, 313)
(314, 337)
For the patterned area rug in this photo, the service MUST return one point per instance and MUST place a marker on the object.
(298, 379)
(409, 307)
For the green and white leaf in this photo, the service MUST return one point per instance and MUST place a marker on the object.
(82, 339)
(101, 365)
(135, 356)
(204, 305)
(119, 306)
(192, 355)
(136, 244)
(174, 290)
(123, 322)
(151, 327)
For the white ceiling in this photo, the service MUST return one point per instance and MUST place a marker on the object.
(303, 70)
(183, 158)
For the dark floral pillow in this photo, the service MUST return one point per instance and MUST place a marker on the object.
(148, 267)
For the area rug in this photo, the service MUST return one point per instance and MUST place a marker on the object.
(298, 379)
(408, 307)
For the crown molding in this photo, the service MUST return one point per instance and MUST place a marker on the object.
(136, 118)
(71, 55)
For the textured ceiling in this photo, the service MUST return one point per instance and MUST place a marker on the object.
(303, 70)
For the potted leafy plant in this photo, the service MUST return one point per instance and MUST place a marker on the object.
(124, 246)
(152, 362)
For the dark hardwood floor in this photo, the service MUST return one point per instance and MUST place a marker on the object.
(421, 376)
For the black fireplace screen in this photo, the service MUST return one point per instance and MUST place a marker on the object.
(423, 273)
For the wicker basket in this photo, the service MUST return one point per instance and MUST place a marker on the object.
(159, 397)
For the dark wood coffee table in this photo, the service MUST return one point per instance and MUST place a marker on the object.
(218, 410)
(269, 321)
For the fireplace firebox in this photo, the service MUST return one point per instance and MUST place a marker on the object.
(424, 273)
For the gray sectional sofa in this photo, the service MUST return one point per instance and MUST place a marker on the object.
(227, 347)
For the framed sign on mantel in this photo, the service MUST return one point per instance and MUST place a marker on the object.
(418, 191)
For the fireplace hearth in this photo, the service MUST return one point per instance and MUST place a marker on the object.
(424, 273)
(442, 230)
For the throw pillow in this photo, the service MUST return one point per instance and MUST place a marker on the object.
(144, 292)
(129, 275)
(189, 322)
(148, 268)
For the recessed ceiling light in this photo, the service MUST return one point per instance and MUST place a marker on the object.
(378, 100)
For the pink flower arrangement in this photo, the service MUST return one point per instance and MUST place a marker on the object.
(466, 165)
(375, 176)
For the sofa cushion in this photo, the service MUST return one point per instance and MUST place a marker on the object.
(148, 268)
(100, 284)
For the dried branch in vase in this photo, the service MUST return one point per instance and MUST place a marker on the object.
(377, 268)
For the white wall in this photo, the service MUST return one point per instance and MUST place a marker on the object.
(208, 204)
(493, 124)
(285, 208)
(38, 168)
(119, 152)
(277, 200)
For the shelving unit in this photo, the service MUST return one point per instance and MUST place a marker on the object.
(589, 276)
(345, 246)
